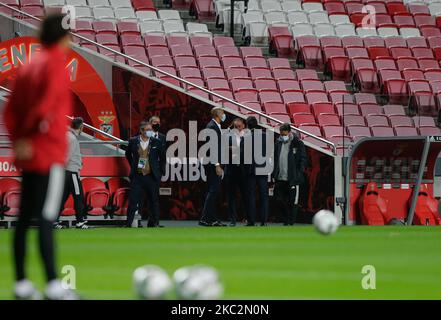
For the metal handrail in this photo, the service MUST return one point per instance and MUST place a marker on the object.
(85, 124)
(188, 83)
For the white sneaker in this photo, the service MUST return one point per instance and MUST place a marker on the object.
(56, 291)
(25, 290)
(82, 225)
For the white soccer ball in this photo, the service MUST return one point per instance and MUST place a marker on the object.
(151, 282)
(197, 283)
(325, 222)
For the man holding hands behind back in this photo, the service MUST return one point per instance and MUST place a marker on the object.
(290, 160)
(146, 156)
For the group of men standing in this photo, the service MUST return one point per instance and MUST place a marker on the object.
(287, 159)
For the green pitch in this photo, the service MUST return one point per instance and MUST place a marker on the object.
(254, 262)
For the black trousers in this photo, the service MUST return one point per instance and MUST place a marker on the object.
(209, 212)
(41, 200)
(261, 182)
(72, 186)
(139, 185)
(286, 198)
(236, 181)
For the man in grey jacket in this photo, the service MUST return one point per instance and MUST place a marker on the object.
(72, 180)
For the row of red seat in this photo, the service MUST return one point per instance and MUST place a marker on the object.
(101, 198)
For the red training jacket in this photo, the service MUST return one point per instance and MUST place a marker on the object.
(37, 109)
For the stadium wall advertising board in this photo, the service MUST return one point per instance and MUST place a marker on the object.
(92, 100)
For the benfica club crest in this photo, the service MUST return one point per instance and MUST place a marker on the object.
(106, 122)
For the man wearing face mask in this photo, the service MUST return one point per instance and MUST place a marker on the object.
(256, 179)
(156, 125)
(72, 178)
(235, 171)
(214, 172)
(290, 160)
(146, 157)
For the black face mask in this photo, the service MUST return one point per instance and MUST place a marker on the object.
(156, 127)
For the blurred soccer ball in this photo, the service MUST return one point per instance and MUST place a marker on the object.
(325, 222)
(151, 282)
(197, 283)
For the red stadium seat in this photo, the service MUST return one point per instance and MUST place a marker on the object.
(237, 72)
(225, 51)
(265, 84)
(370, 109)
(68, 209)
(412, 74)
(119, 195)
(314, 97)
(223, 41)
(344, 109)
(97, 196)
(312, 85)
(281, 41)
(228, 62)
(298, 107)
(407, 63)
(427, 64)
(353, 120)
(421, 121)
(185, 61)
(257, 73)
(385, 64)
(306, 74)
(395, 42)
(391, 110)
(104, 27)
(284, 74)
(310, 56)
(340, 68)
(270, 96)
(377, 120)
(366, 80)
(155, 41)
(205, 51)
(374, 42)
(213, 72)
(322, 108)
(274, 107)
(287, 85)
(205, 62)
(200, 41)
(400, 120)
(177, 41)
(377, 52)
(358, 132)
(373, 207)
(429, 131)
(352, 41)
(250, 52)
(189, 72)
(10, 192)
(127, 28)
(332, 86)
(293, 97)
(330, 41)
(181, 50)
(303, 119)
(400, 52)
(405, 131)
(328, 119)
(426, 210)
(379, 131)
(365, 98)
(416, 42)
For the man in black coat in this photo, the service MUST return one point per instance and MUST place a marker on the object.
(214, 171)
(236, 170)
(156, 125)
(290, 160)
(255, 178)
(146, 157)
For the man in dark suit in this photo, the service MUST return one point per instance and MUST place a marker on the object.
(146, 157)
(290, 160)
(214, 171)
(255, 178)
(156, 125)
(236, 170)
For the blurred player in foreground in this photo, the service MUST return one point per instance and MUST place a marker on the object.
(36, 120)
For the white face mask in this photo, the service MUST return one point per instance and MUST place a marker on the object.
(224, 117)
(149, 133)
(284, 138)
